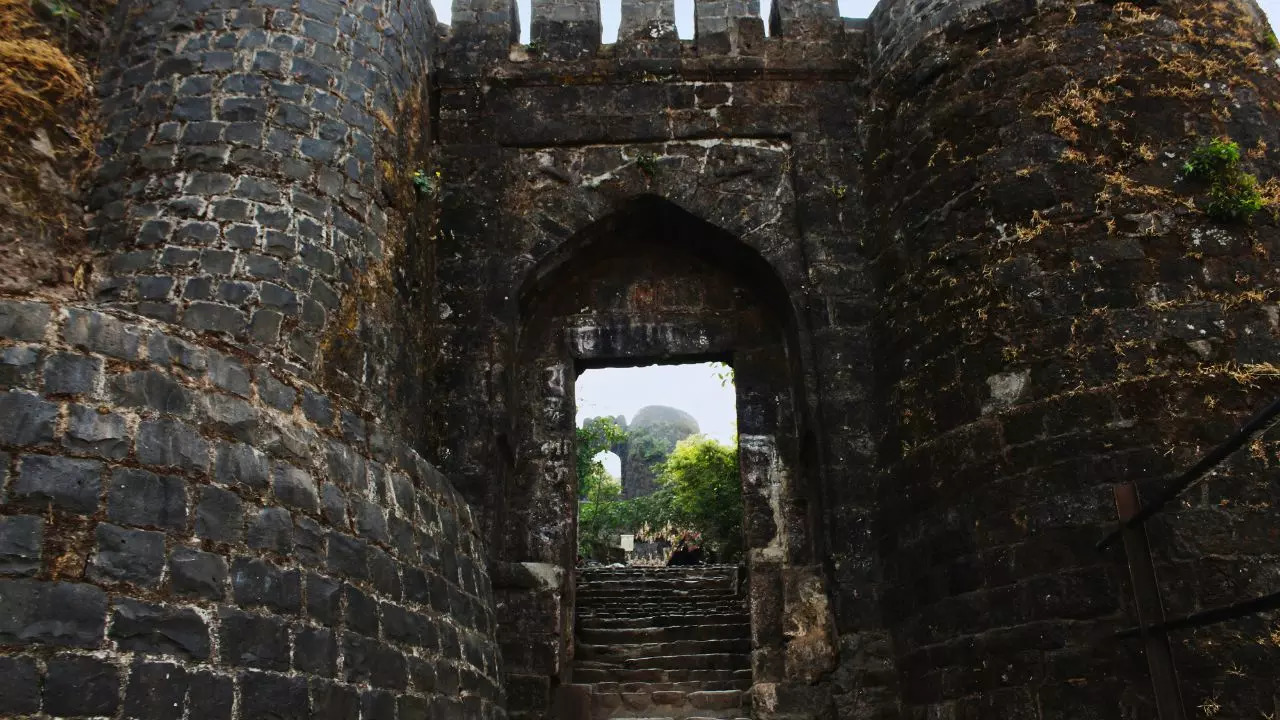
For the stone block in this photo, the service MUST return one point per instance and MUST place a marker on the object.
(361, 612)
(51, 613)
(170, 443)
(366, 660)
(211, 696)
(204, 316)
(271, 529)
(154, 629)
(155, 691)
(141, 498)
(97, 332)
(275, 393)
(21, 539)
(315, 651)
(257, 582)
(230, 374)
(26, 419)
(18, 365)
(23, 320)
(219, 515)
(243, 465)
(77, 686)
(196, 573)
(71, 373)
(64, 483)
(273, 697)
(19, 685)
(124, 555)
(334, 701)
(295, 487)
(151, 390)
(324, 596)
(93, 432)
(253, 641)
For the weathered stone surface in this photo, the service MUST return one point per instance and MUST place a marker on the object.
(19, 685)
(51, 613)
(138, 497)
(92, 432)
(124, 555)
(21, 541)
(79, 686)
(201, 574)
(153, 629)
(59, 482)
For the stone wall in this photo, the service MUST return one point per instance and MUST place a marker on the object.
(255, 164)
(965, 290)
(186, 529)
(1060, 316)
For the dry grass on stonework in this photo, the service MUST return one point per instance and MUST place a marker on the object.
(36, 77)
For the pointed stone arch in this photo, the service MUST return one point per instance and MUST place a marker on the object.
(651, 282)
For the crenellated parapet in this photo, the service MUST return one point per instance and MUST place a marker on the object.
(243, 155)
(566, 38)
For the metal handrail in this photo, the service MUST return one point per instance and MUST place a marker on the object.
(1260, 423)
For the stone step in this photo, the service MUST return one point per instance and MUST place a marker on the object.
(707, 661)
(658, 633)
(669, 703)
(641, 605)
(682, 583)
(614, 622)
(692, 647)
(742, 684)
(653, 595)
(590, 675)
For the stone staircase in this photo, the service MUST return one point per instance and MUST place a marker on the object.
(663, 643)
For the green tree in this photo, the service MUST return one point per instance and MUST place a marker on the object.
(598, 492)
(705, 493)
(594, 437)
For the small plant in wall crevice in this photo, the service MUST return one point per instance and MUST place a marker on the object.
(426, 183)
(647, 163)
(1233, 193)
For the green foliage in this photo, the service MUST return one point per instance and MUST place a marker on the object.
(702, 482)
(426, 184)
(647, 163)
(594, 437)
(723, 372)
(1269, 41)
(1233, 193)
(60, 10)
(1212, 159)
(1236, 200)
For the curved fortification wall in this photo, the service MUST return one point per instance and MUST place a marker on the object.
(1060, 315)
(245, 148)
(205, 511)
(184, 529)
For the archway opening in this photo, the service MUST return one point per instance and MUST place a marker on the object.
(651, 284)
(657, 464)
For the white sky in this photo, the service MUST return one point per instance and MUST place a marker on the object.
(692, 388)
(610, 14)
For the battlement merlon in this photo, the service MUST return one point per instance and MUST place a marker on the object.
(482, 31)
(566, 29)
(486, 31)
(648, 34)
(796, 18)
(728, 27)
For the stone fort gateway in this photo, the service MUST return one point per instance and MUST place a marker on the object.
(298, 440)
